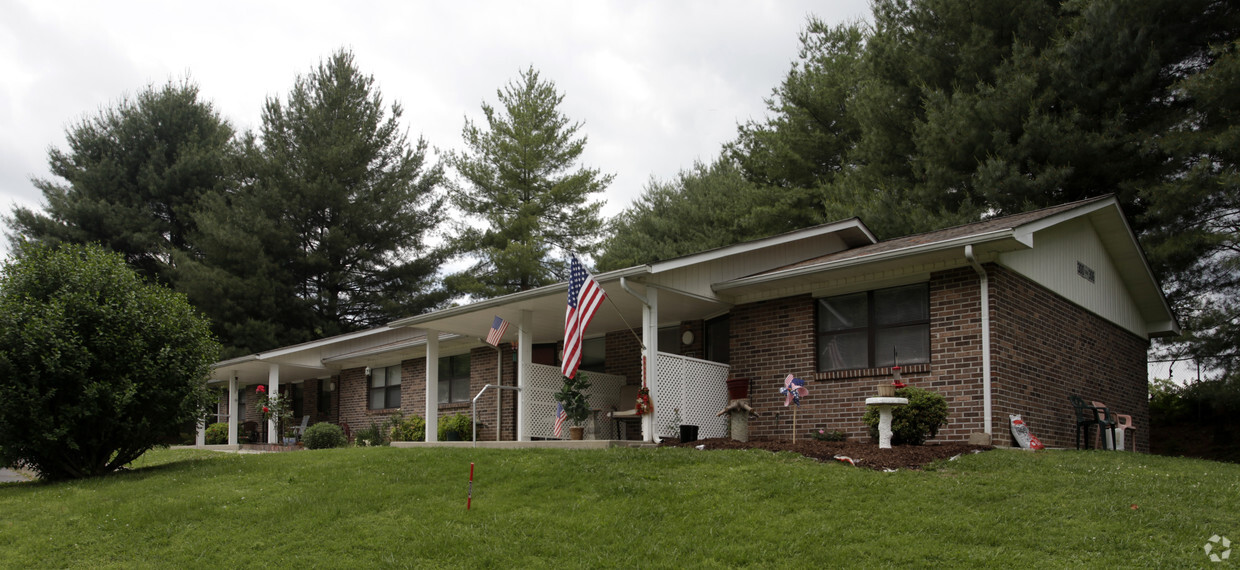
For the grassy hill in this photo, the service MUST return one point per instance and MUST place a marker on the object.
(363, 507)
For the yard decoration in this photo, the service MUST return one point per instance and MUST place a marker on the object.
(576, 408)
(793, 390)
(1024, 437)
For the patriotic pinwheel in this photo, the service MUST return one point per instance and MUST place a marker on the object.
(793, 391)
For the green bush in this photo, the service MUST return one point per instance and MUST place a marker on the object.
(458, 423)
(914, 423)
(323, 435)
(96, 365)
(828, 435)
(371, 436)
(411, 428)
(217, 434)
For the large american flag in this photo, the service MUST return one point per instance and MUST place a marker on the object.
(584, 298)
(560, 416)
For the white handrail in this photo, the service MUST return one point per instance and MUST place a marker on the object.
(473, 406)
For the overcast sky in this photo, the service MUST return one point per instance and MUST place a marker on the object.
(657, 85)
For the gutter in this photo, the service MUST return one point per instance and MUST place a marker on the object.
(987, 412)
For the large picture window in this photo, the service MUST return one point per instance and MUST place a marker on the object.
(454, 379)
(385, 387)
(874, 329)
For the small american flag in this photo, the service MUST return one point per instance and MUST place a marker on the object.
(498, 327)
(584, 298)
(560, 416)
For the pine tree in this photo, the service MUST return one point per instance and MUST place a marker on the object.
(132, 176)
(329, 232)
(521, 181)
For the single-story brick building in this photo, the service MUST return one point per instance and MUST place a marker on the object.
(1009, 315)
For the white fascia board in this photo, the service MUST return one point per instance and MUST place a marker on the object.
(514, 298)
(415, 342)
(788, 237)
(1024, 233)
(285, 350)
(866, 259)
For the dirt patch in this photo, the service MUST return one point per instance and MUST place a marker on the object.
(866, 455)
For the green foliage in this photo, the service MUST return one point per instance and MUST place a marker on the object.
(217, 433)
(522, 184)
(402, 428)
(824, 435)
(96, 365)
(372, 436)
(914, 423)
(327, 232)
(575, 404)
(324, 435)
(459, 424)
(132, 176)
(705, 207)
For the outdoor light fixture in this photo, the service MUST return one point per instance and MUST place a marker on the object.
(687, 337)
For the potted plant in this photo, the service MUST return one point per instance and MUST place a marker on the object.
(738, 388)
(575, 405)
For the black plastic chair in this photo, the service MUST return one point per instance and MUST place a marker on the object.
(1088, 416)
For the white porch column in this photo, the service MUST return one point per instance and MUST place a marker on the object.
(201, 439)
(650, 337)
(525, 351)
(273, 388)
(432, 385)
(232, 409)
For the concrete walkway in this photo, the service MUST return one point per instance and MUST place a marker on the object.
(11, 476)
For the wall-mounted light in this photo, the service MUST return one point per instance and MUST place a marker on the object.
(368, 372)
(687, 337)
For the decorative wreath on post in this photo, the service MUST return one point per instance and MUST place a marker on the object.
(643, 405)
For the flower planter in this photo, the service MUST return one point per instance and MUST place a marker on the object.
(576, 433)
(738, 388)
(688, 433)
(886, 391)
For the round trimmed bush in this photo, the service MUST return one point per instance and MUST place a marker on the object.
(323, 435)
(412, 428)
(914, 423)
(217, 434)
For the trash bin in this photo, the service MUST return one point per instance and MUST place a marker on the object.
(688, 433)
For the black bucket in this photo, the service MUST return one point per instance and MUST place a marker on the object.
(688, 433)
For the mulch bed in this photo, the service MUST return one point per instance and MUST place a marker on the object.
(866, 455)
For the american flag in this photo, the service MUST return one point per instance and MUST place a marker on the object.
(560, 416)
(584, 298)
(498, 327)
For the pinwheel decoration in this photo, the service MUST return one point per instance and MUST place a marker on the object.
(793, 391)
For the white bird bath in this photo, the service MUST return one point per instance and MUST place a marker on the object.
(884, 417)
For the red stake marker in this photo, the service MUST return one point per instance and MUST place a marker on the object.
(469, 498)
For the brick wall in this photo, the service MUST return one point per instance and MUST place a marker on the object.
(482, 372)
(624, 356)
(1045, 348)
(771, 339)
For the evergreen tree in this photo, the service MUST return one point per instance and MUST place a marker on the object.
(705, 207)
(131, 177)
(328, 233)
(521, 181)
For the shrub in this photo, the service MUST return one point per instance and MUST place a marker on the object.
(96, 365)
(217, 434)
(824, 435)
(323, 435)
(411, 428)
(371, 436)
(457, 423)
(914, 423)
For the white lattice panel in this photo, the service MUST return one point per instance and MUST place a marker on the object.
(544, 381)
(697, 389)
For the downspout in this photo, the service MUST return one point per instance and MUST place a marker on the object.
(625, 285)
(986, 409)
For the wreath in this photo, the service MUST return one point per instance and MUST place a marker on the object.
(643, 405)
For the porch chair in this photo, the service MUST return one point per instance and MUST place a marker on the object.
(249, 431)
(1120, 422)
(1088, 416)
(301, 429)
(626, 410)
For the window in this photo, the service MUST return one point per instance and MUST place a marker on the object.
(454, 379)
(324, 403)
(874, 329)
(593, 355)
(241, 403)
(385, 387)
(298, 392)
(718, 340)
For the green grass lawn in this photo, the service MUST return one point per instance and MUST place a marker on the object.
(671, 508)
